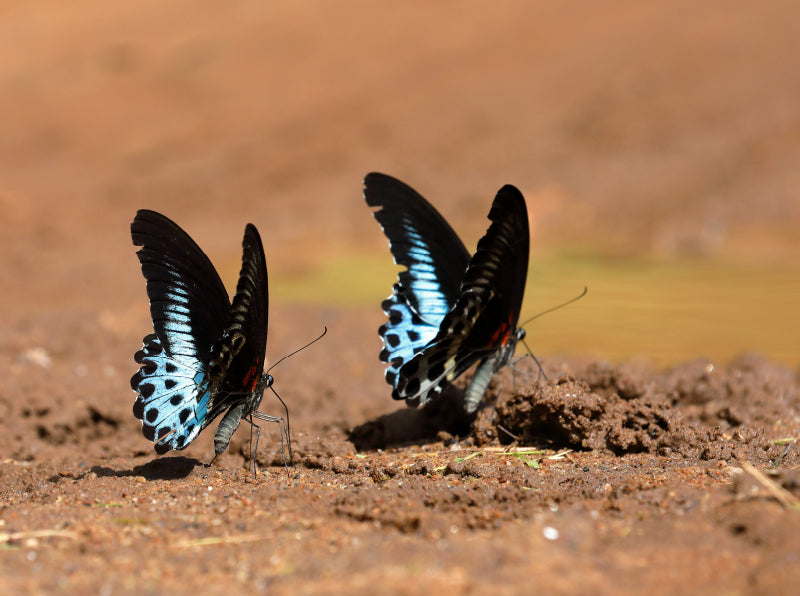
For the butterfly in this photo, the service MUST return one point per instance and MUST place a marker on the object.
(449, 310)
(206, 355)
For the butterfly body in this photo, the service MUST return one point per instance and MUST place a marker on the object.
(448, 310)
(206, 355)
(233, 417)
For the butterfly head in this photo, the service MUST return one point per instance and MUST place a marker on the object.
(259, 386)
(265, 381)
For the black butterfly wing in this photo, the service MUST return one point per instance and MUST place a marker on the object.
(434, 258)
(188, 302)
(484, 318)
(188, 306)
(239, 356)
(497, 272)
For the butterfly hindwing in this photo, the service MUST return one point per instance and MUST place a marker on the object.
(434, 261)
(481, 325)
(173, 397)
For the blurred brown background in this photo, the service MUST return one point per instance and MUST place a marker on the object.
(657, 144)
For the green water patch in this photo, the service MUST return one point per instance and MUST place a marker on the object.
(664, 311)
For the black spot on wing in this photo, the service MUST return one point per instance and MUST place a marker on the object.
(136, 379)
(138, 409)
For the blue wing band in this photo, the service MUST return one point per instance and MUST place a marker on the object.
(434, 259)
(173, 396)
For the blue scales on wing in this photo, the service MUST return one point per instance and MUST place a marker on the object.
(434, 261)
(189, 307)
(173, 396)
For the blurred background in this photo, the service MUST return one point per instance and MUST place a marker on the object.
(657, 144)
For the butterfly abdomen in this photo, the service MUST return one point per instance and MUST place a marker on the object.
(227, 426)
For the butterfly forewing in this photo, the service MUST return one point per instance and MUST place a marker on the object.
(495, 279)
(434, 261)
(188, 302)
(238, 359)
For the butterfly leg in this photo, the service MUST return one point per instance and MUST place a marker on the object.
(529, 354)
(283, 430)
(254, 448)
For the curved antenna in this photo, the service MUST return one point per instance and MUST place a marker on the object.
(549, 310)
(313, 341)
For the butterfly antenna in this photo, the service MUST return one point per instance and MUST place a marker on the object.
(549, 310)
(313, 341)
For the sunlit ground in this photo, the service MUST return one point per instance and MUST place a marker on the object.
(666, 312)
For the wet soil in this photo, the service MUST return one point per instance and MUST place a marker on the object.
(632, 129)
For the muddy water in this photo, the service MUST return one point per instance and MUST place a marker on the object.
(695, 309)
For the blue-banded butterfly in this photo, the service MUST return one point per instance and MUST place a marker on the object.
(448, 310)
(206, 355)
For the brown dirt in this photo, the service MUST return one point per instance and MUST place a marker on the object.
(604, 479)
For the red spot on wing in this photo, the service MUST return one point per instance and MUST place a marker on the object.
(251, 378)
(502, 333)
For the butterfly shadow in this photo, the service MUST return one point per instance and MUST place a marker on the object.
(163, 468)
(445, 414)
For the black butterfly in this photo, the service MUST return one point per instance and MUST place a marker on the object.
(447, 310)
(206, 356)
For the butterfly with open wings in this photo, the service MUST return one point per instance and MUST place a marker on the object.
(206, 355)
(448, 310)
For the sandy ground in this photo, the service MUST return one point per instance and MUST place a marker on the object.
(666, 129)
